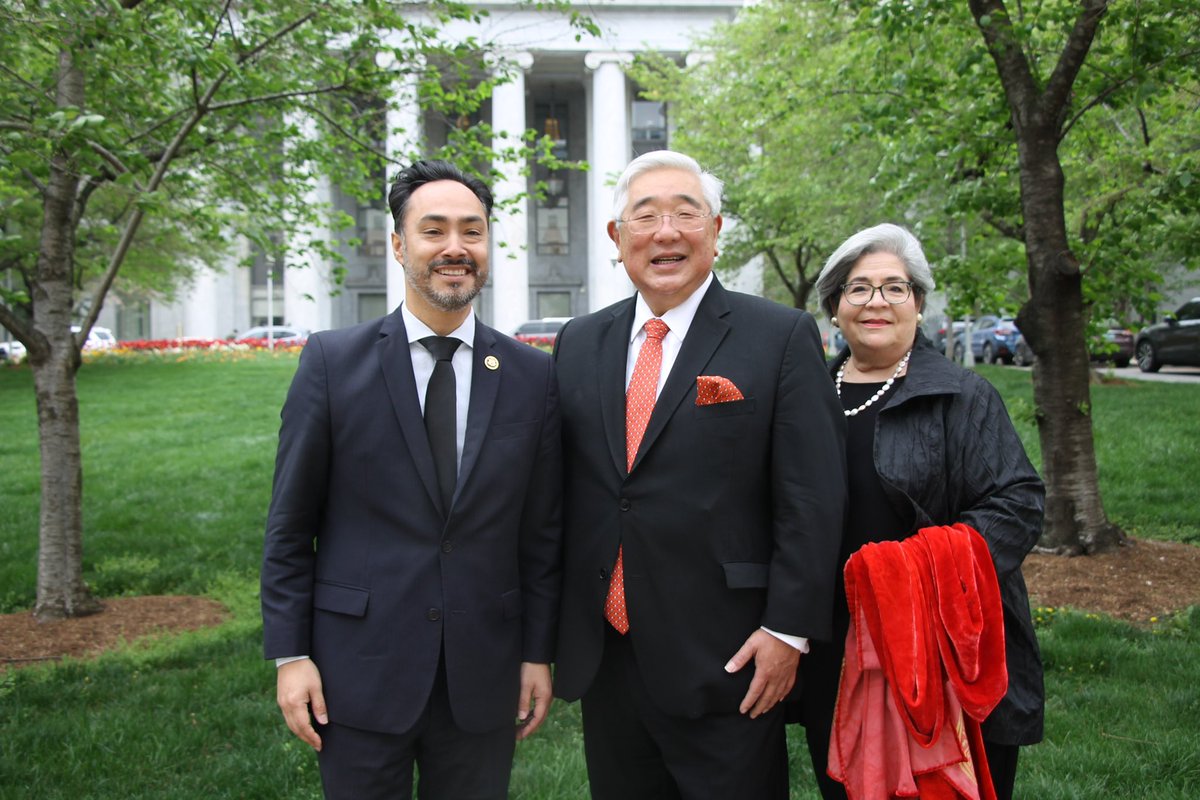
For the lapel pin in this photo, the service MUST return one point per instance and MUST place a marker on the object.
(492, 363)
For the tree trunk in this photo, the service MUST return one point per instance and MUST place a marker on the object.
(61, 591)
(1053, 324)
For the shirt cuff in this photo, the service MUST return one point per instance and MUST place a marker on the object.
(279, 662)
(798, 642)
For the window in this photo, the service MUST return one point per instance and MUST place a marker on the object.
(371, 305)
(554, 304)
(649, 131)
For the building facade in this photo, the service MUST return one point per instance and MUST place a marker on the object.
(551, 256)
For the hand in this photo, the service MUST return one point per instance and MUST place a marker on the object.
(775, 663)
(297, 690)
(536, 696)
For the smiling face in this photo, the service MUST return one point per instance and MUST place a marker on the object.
(879, 332)
(444, 252)
(667, 265)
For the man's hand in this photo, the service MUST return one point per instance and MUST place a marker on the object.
(536, 696)
(775, 664)
(298, 689)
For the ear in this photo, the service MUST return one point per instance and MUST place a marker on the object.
(398, 247)
(614, 233)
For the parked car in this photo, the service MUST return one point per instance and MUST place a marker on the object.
(280, 333)
(98, 338)
(1114, 346)
(12, 351)
(1022, 353)
(938, 335)
(540, 331)
(1172, 342)
(993, 340)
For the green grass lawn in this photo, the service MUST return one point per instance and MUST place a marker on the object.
(177, 472)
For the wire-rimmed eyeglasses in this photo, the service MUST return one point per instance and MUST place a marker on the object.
(859, 294)
(685, 221)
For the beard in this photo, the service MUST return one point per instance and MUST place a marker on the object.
(471, 284)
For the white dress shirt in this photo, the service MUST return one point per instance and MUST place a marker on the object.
(423, 361)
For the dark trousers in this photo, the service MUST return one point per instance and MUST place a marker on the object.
(635, 751)
(453, 764)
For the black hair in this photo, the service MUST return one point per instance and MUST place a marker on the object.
(409, 179)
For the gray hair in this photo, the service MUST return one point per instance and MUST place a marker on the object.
(710, 184)
(885, 238)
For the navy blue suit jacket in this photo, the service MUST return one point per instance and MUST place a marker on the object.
(361, 568)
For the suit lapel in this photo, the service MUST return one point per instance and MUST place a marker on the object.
(395, 362)
(485, 387)
(614, 356)
(706, 333)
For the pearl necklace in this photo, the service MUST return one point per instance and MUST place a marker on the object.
(882, 390)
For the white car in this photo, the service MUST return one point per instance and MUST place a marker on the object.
(12, 351)
(285, 334)
(98, 338)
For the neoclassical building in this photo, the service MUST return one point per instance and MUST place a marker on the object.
(550, 256)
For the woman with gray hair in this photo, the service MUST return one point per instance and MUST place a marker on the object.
(928, 444)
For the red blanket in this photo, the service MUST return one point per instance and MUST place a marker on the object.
(924, 666)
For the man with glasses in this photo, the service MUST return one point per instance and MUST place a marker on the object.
(703, 450)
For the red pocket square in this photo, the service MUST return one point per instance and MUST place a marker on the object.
(715, 389)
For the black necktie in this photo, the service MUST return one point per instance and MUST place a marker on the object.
(441, 415)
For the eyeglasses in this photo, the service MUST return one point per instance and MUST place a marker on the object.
(684, 221)
(859, 294)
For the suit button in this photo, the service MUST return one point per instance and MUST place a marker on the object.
(447, 546)
(603, 574)
(433, 615)
(625, 504)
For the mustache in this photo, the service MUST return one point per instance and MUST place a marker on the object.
(455, 262)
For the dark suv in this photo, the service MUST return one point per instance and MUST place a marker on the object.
(1172, 342)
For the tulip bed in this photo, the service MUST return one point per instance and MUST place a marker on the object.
(188, 349)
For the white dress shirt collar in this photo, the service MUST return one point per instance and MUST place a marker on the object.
(417, 330)
(678, 319)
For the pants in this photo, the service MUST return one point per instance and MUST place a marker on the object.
(635, 751)
(453, 764)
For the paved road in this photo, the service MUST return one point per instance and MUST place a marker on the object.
(1190, 375)
(1166, 375)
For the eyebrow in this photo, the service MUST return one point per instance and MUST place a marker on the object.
(887, 279)
(684, 198)
(473, 219)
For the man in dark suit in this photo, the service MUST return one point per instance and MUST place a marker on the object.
(411, 574)
(703, 508)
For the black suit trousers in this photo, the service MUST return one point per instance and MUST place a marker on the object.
(637, 752)
(453, 764)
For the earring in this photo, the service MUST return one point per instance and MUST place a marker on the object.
(920, 317)
(833, 321)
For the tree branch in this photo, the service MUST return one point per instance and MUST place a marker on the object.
(109, 157)
(220, 21)
(270, 98)
(255, 51)
(1005, 227)
(1074, 54)
(348, 135)
(1020, 89)
(1109, 91)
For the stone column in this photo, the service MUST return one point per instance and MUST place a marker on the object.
(510, 231)
(403, 138)
(608, 154)
(306, 288)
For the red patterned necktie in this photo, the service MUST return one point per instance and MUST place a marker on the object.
(639, 402)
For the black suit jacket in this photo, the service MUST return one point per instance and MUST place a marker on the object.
(361, 568)
(731, 517)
